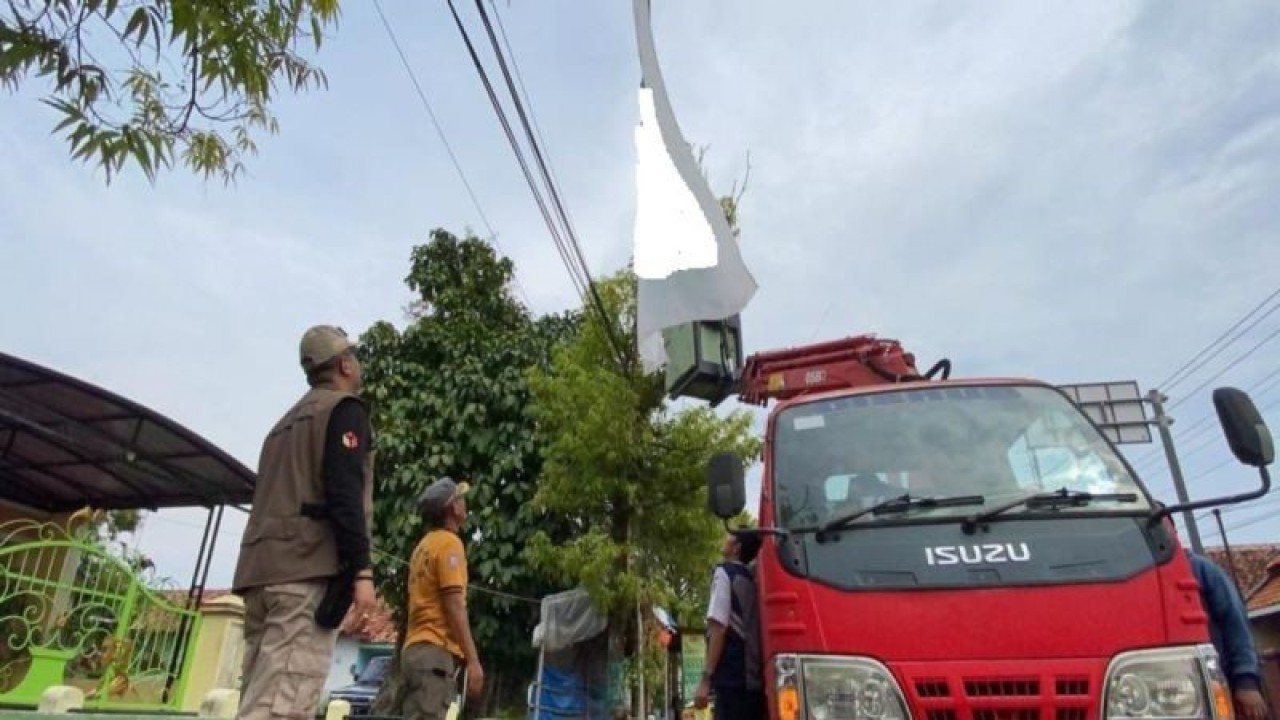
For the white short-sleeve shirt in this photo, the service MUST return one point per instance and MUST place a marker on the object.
(720, 606)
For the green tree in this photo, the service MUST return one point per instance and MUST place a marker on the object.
(137, 81)
(450, 397)
(628, 473)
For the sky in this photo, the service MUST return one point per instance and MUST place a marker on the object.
(1076, 193)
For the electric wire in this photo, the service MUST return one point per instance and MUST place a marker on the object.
(1185, 370)
(444, 140)
(569, 250)
(1203, 425)
(1241, 358)
(574, 274)
(574, 245)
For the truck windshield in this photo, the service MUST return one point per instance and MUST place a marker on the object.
(831, 457)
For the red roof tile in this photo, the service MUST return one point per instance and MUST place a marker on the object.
(179, 597)
(1268, 593)
(379, 627)
(1251, 563)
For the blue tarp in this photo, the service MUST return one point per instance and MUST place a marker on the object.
(574, 684)
(563, 695)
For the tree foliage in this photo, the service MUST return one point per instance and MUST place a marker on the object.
(627, 473)
(138, 81)
(450, 397)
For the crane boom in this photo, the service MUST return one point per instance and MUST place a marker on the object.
(858, 361)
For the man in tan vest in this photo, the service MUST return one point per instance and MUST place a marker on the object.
(304, 557)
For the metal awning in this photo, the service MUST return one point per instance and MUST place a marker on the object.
(65, 444)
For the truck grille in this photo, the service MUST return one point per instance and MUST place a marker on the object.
(995, 696)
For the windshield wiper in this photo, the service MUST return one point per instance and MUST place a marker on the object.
(899, 504)
(1054, 499)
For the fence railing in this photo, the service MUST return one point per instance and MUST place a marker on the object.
(73, 613)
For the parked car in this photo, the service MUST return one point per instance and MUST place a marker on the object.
(365, 688)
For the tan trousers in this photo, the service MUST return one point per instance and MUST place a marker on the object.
(286, 655)
(430, 676)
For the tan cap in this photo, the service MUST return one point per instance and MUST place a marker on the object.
(321, 344)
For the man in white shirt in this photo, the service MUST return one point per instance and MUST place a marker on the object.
(732, 668)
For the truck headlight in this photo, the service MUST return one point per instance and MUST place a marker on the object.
(818, 687)
(1168, 683)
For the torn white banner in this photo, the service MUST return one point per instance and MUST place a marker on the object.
(687, 261)
(671, 233)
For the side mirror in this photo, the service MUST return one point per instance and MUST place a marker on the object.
(355, 674)
(726, 485)
(1250, 441)
(1247, 433)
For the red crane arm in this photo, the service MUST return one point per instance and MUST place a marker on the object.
(859, 361)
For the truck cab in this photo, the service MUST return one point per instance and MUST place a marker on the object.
(970, 550)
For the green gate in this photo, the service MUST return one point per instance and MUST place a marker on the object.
(72, 613)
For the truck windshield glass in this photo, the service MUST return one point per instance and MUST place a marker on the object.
(832, 457)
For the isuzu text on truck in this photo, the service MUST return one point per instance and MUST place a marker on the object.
(945, 549)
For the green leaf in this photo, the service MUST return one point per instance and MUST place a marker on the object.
(196, 73)
(138, 24)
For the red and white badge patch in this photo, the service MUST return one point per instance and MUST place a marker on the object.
(350, 440)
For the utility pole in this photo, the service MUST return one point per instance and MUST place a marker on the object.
(1163, 422)
(641, 700)
(1231, 561)
(1267, 687)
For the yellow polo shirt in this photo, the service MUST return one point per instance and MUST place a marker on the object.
(438, 563)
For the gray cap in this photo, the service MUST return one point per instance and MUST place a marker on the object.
(441, 493)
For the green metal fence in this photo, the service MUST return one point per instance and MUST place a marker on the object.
(72, 613)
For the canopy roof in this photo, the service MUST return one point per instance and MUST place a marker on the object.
(65, 444)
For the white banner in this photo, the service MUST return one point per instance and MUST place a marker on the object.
(686, 259)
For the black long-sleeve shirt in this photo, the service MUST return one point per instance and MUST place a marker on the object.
(348, 440)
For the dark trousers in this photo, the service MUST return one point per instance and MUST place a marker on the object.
(739, 704)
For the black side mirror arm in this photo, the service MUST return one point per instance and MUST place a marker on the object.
(1161, 513)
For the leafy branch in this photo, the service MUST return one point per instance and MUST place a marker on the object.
(145, 81)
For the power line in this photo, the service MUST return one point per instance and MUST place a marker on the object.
(1219, 350)
(1251, 521)
(1204, 423)
(570, 250)
(1186, 369)
(574, 275)
(1275, 333)
(1271, 499)
(552, 190)
(426, 105)
(1175, 378)
(515, 66)
(1270, 386)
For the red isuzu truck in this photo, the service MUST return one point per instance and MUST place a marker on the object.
(965, 549)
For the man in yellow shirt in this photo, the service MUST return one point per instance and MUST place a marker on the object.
(439, 641)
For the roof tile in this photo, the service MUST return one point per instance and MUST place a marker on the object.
(1251, 562)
